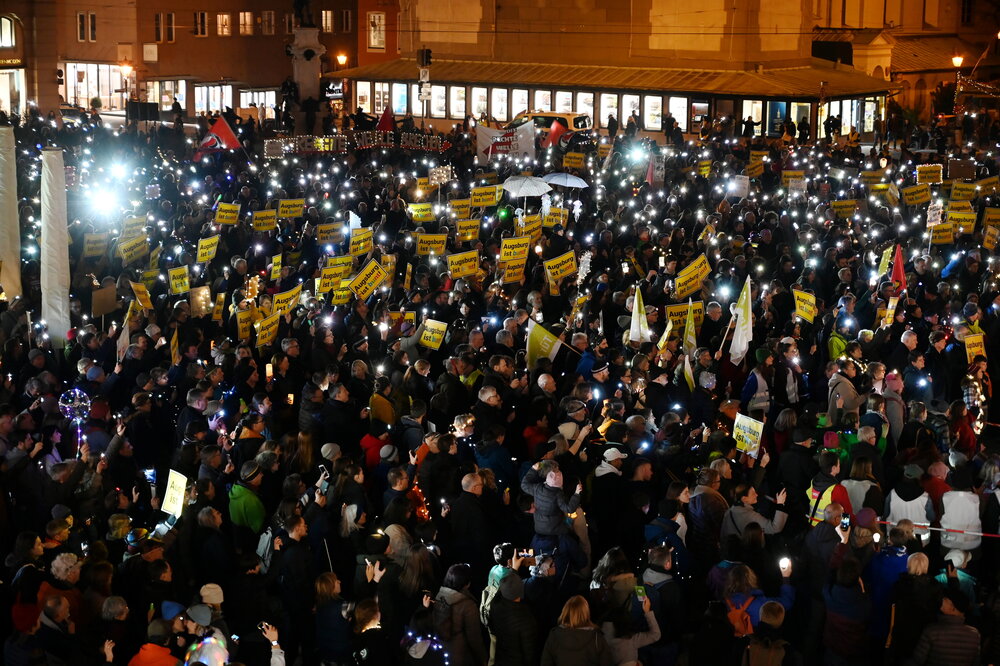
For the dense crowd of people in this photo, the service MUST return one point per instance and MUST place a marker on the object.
(357, 494)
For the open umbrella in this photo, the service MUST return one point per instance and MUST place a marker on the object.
(526, 186)
(565, 180)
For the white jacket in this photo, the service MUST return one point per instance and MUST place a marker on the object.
(915, 510)
(961, 512)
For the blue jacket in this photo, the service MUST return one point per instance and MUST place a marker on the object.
(495, 457)
(880, 577)
(786, 598)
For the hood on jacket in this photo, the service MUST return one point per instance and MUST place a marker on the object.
(909, 489)
(606, 468)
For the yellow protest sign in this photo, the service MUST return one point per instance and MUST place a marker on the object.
(603, 150)
(561, 266)
(490, 178)
(368, 280)
(916, 194)
(330, 233)
(747, 433)
(964, 222)
(388, 262)
(149, 278)
(677, 315)
(422, 212)
(424, 186)
(932, 174)
(704, 168)
(975, 345)
(755, 170)
(486, 196)
(467, 230)
(244, 319)
(265, 220)
(431, 244)
(133, 249)
(396, 316)
(757, 156)
(341, 296)
(573, 160)
(463, 263)
(531, 226)
(689, 280)
(220, 303)
(178, 277)
(556, 216)
(990, 237)
(285, 301)
(890, 311)
(942, 234)
(963, 191)
(132, 227)
(94, 245)
(361, 241)
(988, 186)
(175, 349)
(207, 247)
(805, 305)
(433, 334)
(871, 177)
(789, 175)
(514, 270)
(175, 498)
(154, 257)
(343, 266)
(328, 280)
(514, 248)
(275, 267)
(991, 217)
(844, 209)
(960, 206)
(141, 295)
(227, 213)
(461, 208)
(267, 329)
(288, 208)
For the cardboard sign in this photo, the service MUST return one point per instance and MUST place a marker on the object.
(286, 300)
(149, 278)
(931, 174)
(244, 319)
(805, 305)
(916, 194)
(132, 227)
(227, 213)
(797, 187)
(991, 217)
(175, 496)
(787, 176)
(141, 295)
(755, 170)
(461, 208)
(103, 301)
(388, 262)
(758, 156)
(267, 329)
(341, 296)
(289, 208)
(265, 220)
(361, 242)
(739, 187)
(94, 245)
(178, 278)
(514, 270)
(486, 196)
(890, 311)
(677, 315)
(368, 280)
(396, 316)
(467, 230)
(275, 267)
(332, 232)
(573, 160)
(463, 263)
(960, 206)
(963, 191)
(217, 310)
(490, 178)
(342, 265)
(422, 212)
(133, 249)
(689, 280)
(704, 168)
(561, 266)
(531, 226)
(207, 247)
(844, 209)
(871, 177)
(990, 237)
(987, 186)
(433, 334)
(964, 222)
(424, 186)
(428, 244)
(514, 248)
(556, 216)
(328, 280)
(975, 345)
(942, 234)
(747, 433)
(154, 256)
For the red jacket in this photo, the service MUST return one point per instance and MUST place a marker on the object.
(935, 489)
(371, 445)
(153, 655)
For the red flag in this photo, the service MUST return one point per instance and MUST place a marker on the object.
(650, 171)
(220, 137)
(556, 131)
(387, 123)
(898, 276)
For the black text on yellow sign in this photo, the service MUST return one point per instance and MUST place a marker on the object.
(514, 248)
(265, 220)
(207, 247)
(463, 263)
(361, 241)
(428, 244)
(368, 280)
(289, 208)
(227, 213)
(433, 334)
(179, 283)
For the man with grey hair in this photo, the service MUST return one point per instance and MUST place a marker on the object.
(899, 358)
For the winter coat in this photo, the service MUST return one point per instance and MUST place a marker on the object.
(551, 505)
(245, 508)
(738, 517)
(626, 650)
(842, 386)
(513, 625)
(707, 510)
(948, 642)
(333, 632)
(577, 647)
(456, 621)
(961, 511)
(848, 610)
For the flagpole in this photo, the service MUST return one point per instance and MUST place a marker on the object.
(726, 333)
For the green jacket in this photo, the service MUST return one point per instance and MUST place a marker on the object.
(246, 509)
(836, 345)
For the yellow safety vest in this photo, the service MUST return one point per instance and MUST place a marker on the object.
(817, 509)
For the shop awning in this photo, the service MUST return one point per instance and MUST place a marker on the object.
(792, 83)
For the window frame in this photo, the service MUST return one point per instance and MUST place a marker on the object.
(326, 21)
(373, 32)
(346, 21)
(248, 32)
(8, 27)
(267, 22)
(92, 26)
(201, 24)
(223, 22)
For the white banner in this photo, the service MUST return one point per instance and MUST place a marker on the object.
(515, 142)
(55, 247)
(10, 235)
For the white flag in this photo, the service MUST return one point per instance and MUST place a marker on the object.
(639, 330)
(744, 326)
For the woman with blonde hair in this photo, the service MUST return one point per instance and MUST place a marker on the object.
(576, 641)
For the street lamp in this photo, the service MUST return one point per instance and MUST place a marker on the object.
(125, 67)
(341, 59)
(957, 61)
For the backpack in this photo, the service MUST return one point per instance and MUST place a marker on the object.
(486, 602)
(265, 549)
(765, 652)
(740, 618)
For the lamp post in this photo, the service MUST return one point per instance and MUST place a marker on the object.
(957, 61)
(341, 60)
(125, 67)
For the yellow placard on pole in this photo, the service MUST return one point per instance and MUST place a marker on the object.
(94, 245)
(463, 263)
(433, 334)
(244, 319)
(467, 230)
(689, 280)
(265, 220)
(916, 194)
(361, 241)
(677, 315)
(388, 262)
(133, 249)
(178, 277)
(289, 208)
(267, 329)
(975, 345)
(422, 212)
(514, 248)
(963, 191)
(943, 234)
(227, 213)
(805, 305)
(368, 280)
(561, 266)
(573, 160)
(207, 247)
(428, 244)
(460, 208)
(486, 196)
(220, 303)
(788, 175)
(342, 265)
(142, 295)
(747, 433)
(285, 301)
(932, 174)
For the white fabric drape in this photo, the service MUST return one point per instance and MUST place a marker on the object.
(55, 246)
(10, 234)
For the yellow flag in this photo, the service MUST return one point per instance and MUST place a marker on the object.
(690, 339)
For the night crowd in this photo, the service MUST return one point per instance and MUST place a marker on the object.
(356, 497)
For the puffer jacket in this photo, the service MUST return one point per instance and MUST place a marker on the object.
(551, 505)
(576, 647)
(947, 642)
(456, 621)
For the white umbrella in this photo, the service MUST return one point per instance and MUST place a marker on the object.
(526, 186)
(565, 180)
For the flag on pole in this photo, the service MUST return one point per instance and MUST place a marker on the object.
(220, 137)
(639, 330)
(688, 373)
(650, 171)
(743, 332)
(662, 344)
(898, 275)
(386, 123)
(556, 131)
(690, 334)
(541, 343)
